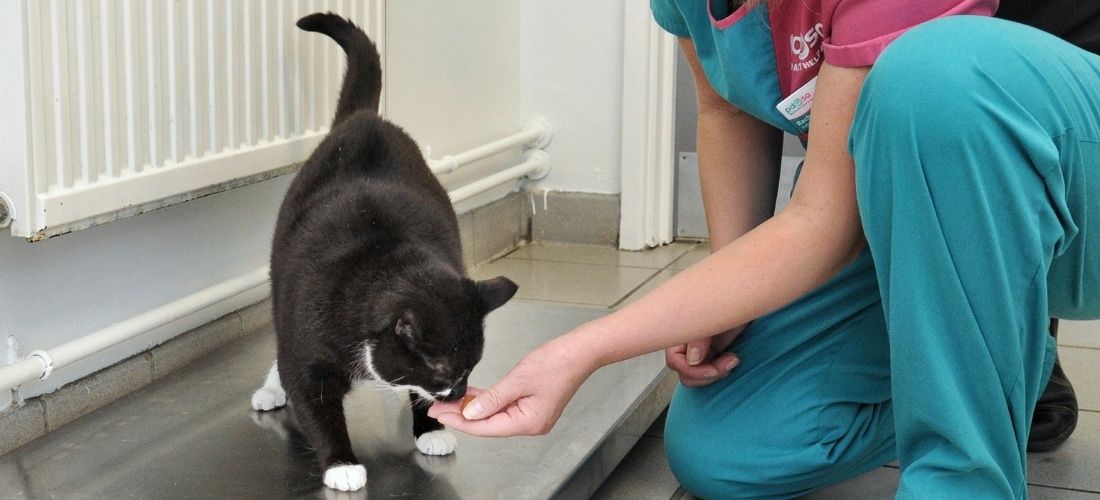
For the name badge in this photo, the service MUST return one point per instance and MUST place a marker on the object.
(796, 107)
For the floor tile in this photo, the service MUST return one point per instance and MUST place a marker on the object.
(1079, 333)
(1075, 464)
(648, 286)
(643, 474)
(700, 252)
(883, 483)
(657, 430)
(565, 281)
(1047, 493)
(655, 258)
(1082, 366)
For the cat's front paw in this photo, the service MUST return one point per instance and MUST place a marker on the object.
(268, 398)
(347, 477)
(440, 442)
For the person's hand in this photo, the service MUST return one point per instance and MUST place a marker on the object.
(703, 361)
(528, 400)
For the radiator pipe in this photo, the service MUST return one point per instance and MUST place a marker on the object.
(536, 134)
(39, 364)
(535, 166)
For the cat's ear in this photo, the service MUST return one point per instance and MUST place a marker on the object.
(406, 325)
(495, 292)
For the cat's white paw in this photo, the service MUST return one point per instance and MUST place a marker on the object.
(268, 398)
(346, 477)
(440, 442)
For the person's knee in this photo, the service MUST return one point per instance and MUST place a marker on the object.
(736, 461)
(741, 453)
(713, 468)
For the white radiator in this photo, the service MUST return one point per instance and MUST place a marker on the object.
(113, 107)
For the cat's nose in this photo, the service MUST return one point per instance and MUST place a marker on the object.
(452, 394)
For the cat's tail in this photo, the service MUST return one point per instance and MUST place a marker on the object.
(363, 81)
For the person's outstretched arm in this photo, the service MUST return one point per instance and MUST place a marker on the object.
(800, 248)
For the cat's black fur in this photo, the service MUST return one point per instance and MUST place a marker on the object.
(367, 275)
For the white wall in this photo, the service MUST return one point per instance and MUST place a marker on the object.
(507, 62)
(571, 72)
(452, 82)
(452, 71)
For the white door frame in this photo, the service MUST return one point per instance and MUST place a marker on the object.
(646, 216)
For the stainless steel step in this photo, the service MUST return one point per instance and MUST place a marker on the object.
(193, 434)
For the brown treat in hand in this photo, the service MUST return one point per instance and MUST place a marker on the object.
(465, 401)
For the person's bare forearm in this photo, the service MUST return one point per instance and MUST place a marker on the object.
(738, 172)
(771, 266)
(738, 161)
(782, 259)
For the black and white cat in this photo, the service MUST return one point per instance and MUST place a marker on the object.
(368, 281)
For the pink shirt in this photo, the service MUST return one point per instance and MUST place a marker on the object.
(761, 58)
(848, 32)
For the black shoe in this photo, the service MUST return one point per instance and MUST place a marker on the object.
(1055, 414)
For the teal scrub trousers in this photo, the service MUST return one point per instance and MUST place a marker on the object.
(977, 150)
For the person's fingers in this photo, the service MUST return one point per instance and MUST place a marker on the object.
(514, 421)
(497, 425)
(709, 372)
(494, 399)
(676, 357)
(697, 350)
(486, 402)
(726, 363)
(440, 407)
(676, 360)
(680, 349)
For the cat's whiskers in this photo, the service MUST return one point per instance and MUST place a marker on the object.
(392, 388)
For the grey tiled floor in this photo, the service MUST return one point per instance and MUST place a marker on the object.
(605, 277)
